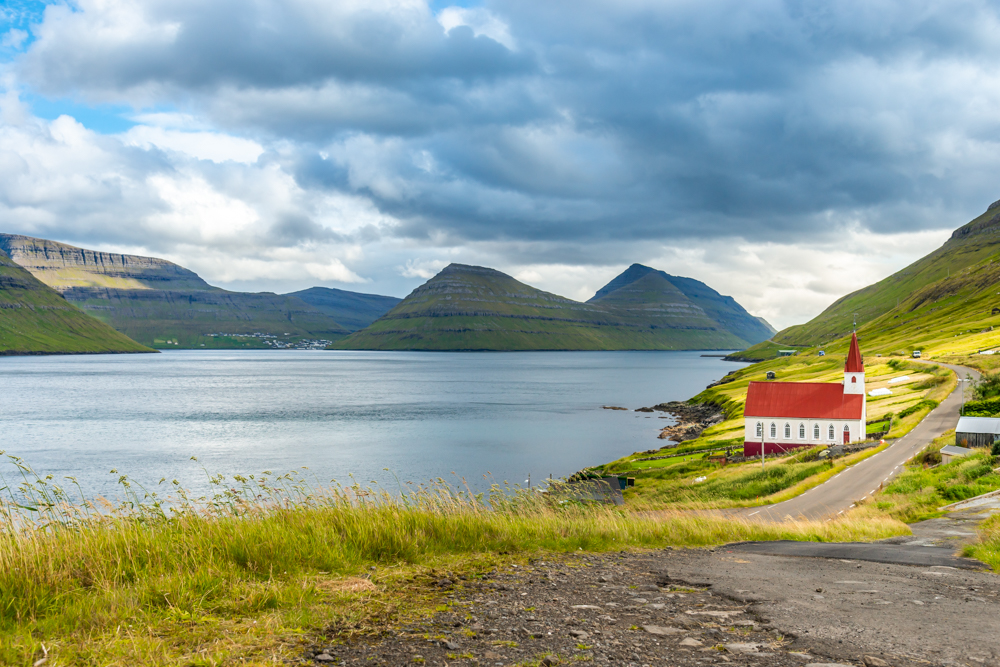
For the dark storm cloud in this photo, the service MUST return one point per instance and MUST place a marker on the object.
(575, 120)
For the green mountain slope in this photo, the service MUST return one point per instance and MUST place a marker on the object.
(642, 284)
(968, 246)
(353, 310)
(165, 305)
(476, 308)
(35, 319)
(942, 304)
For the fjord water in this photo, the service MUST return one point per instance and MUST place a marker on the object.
(423, 415)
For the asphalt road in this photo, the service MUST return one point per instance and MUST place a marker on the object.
(847, 608)
(863, 479)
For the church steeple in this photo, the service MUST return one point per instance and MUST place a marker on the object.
(854, 369)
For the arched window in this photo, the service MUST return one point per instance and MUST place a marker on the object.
(802, 431)
(816, 432)
(774, 430)
(760, 430)
(854, 379)
(832, 434)
(788, 430)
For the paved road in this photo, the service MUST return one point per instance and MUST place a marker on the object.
(863, 479)
(874, 552)
(847, 608)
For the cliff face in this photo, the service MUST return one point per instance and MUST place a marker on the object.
(35, 319)
(165, 305)
(64, 266)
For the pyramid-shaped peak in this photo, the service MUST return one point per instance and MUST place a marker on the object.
(626, 277)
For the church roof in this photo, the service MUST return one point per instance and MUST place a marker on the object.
(854, 362)
(804, 400)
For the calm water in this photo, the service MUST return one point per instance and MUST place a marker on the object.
(423, 415)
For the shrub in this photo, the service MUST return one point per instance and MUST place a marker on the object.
(983, 408)
(918, 407)
(987, 386)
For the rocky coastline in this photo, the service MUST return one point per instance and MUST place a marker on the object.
(692, 419)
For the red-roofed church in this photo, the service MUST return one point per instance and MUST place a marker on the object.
(784, 415)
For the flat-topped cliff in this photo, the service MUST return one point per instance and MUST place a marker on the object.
(35, 319)
(63, 266)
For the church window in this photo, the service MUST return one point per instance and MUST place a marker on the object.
(788, 430)
(802, 431)
(816, 432)
(854, 379)
(831, 436)
(760, 430)
(774, 430)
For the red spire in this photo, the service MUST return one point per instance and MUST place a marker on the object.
(854, 363)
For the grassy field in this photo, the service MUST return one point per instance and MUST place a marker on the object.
(269, 566)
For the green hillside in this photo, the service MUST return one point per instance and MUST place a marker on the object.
(35, 319)
(353, 310)
(659, 296)
(942, 304)
(163, 305)
(477, 308)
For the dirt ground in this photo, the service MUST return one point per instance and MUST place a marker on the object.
(608, 609)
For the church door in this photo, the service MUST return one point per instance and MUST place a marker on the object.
(847, 434)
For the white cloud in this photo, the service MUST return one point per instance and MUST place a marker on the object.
(481, 20)
(13, 38)
(425, 269)
(200, 145)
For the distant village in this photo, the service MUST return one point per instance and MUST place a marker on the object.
(271, 340)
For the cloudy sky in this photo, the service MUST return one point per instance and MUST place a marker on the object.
(783, 152)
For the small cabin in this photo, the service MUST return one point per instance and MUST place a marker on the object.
(771, 375)
(950, 452)
(786, 353)
(977, 431)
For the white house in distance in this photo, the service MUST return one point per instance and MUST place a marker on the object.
(784, 415)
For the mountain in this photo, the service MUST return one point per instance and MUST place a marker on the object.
(641, 288)
(353, 310)
(35, 319)
(477, 308)
(943, 302)
(161, 304)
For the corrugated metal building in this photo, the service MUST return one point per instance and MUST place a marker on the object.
(977, 431)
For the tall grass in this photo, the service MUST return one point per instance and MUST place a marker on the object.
(178, 579)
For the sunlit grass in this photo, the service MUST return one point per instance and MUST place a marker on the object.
(266, 565)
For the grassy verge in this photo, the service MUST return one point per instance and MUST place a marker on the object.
(267, 567)
(988, 548)
(926, 485)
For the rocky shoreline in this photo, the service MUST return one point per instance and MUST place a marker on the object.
(692, 419)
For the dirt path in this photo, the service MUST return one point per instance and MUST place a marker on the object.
(698, 607)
